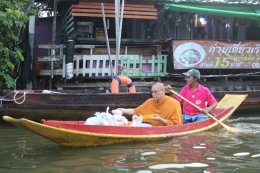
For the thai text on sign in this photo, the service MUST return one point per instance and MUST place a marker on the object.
(216, 54)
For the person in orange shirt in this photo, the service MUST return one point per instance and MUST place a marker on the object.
(165, 110)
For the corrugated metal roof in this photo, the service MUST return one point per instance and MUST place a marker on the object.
(242, 2)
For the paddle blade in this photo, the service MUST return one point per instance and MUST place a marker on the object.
(231, 100)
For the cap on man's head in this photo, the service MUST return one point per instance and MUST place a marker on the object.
(193, 72)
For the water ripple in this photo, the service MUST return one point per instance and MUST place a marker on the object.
(212, 151)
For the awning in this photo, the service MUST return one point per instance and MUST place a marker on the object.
(247, 12)
(131, 11)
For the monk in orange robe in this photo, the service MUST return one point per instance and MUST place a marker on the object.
(161, 109)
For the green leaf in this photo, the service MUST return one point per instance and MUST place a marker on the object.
(12, 24)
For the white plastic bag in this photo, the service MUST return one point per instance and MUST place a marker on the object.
(137, 121)
(93, 121)
(107, 119)
(117, 112)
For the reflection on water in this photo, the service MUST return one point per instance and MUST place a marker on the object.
(216, 151)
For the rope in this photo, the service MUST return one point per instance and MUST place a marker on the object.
(14, 98)
(23, 96)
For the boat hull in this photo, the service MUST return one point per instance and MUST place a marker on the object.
(76, 134)
(69, 135)
(36, 105)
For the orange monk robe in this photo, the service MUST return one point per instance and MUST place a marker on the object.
(168, 108)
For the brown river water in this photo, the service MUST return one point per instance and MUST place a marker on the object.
(215, 151)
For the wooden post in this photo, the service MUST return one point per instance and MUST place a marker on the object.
(53, 38)
(107, 40)
(117, 6)
(120, 29)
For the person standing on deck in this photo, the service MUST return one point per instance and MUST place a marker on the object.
(197, 94)
(165, 110)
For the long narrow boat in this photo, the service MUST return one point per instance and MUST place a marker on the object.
(76, 134)
(37, 104)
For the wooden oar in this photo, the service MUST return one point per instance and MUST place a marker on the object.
(230, 129)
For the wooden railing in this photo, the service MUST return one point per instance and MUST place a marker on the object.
(99, 65)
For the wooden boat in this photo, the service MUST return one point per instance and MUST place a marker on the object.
(75, 133)
(36, 104)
